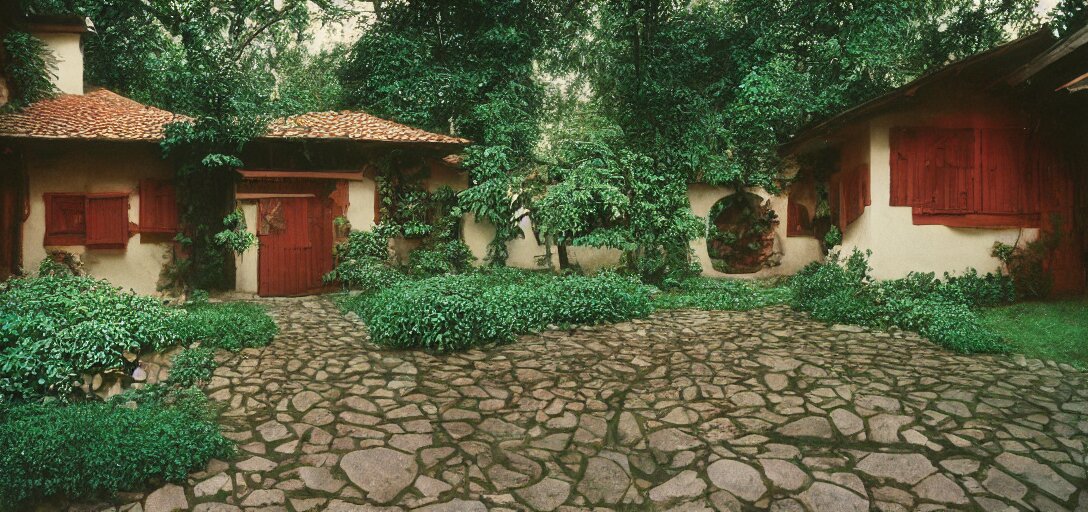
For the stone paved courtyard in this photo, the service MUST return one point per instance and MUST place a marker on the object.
(683, 411)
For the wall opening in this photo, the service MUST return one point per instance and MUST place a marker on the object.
(740, 234)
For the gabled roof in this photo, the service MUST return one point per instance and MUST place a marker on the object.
(351, 125)
(993, 65)
(97, 115)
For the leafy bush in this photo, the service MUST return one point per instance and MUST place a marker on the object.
(1026, 263)
(235, 238)
(55, 327)
(362, 261)
(721, 294)
(452, 257)
(844, 292)
(94, 449)
(227, 325)
(191, 366)
(458, 311)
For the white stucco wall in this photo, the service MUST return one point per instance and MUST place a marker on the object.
(69, 56)
(898, 246)
(87, 168)
(245, 264)
(360, 212)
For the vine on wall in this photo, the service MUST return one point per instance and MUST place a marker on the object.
(28, 65)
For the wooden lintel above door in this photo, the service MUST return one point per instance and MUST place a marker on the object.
(264, 174)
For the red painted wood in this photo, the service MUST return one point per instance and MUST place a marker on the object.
(294, 254)
(158, 207)
(11, 221)
(107, 220)
(65, 219)
(798, 220)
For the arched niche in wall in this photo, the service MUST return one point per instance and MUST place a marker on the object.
(741, 234)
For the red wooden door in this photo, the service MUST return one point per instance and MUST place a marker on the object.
(11, 220)
(296, 240)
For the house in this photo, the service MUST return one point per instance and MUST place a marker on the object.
(930, 175)
(83, 174)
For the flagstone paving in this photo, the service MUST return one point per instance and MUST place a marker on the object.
(682, 411)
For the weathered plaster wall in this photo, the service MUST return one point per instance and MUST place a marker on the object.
(69, 66)
(245, 264)
(361, 204)
(88, 168)
(897, 244)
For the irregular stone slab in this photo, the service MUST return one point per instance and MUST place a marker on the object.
(687, 484)
(213, 485)
(907, 468)
(1004, 485)
(672, 440)
(256, 464)
(167, 498)
(545, 495)
(825, 497)
(320, 479)
(380, 472)
(273, 431)
(740, 479)
(941, 489)
(784, 474)
(303, 401)
(812, 426)
(262, 497)
(604, 481)
(1037, 474)
(847, 422)
(457, 505)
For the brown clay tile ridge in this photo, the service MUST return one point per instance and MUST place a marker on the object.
(352, 125)
(99, 114)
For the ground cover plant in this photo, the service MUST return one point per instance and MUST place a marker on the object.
(454, 312)
(943, 311)
(1055, 330)
(93, 450)
(56, 326)
(721, 294)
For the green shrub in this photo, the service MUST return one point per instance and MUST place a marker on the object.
(55, 327)
(227, 325)
(843, 292)
(458, 311)
(362, 262)
(721, 294)
(191, 366)
(452, 257)
(94, 449)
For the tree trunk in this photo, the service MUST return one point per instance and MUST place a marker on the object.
(564, 260)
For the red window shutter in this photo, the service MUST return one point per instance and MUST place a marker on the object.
(107, 220)
(158, 207)
(65, 219)
(903, 146)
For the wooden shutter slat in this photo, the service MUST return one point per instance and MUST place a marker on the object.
(107, 220)
(158, 207)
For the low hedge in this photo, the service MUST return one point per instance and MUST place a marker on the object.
(226, 325)
(844, 292)
(721, 294)
(459, 311)
(95, 449)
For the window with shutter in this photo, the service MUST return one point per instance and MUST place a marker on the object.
(107, 220)
(158, 207)
(65, 219)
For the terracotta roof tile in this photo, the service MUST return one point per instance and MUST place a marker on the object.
(97, 115)
(352, 125)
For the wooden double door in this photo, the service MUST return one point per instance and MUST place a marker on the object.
(296, 234)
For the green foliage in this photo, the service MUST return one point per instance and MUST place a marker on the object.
(94, 450)
(460, 311)
(55, 327)
(235, 238)
(192, 366)
(721, 294)
(1026, 263)
(1055, 330)
(843, 292)
(362, 261)
(442, 258)
(27, 66)
(832, 238)
(227, 325)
